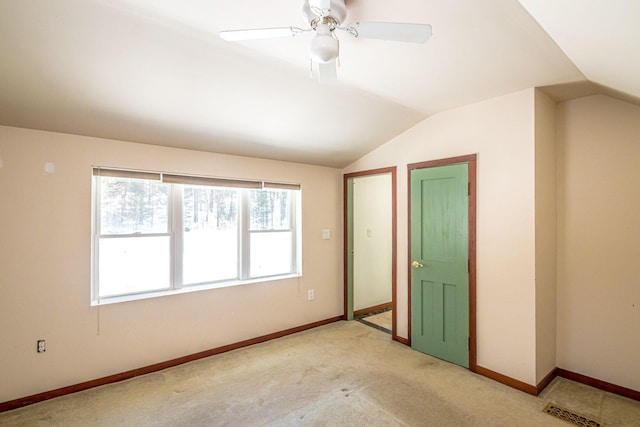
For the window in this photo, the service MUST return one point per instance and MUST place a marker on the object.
(210, 234)
(134, 236)
(270, 232)
(157, 233)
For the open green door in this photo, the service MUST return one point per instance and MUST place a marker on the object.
(439, 259)
(349, 250)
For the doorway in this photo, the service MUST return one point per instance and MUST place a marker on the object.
(442, 198)
(370, 247)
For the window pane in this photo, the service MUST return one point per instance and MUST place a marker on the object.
(129, 206)
(210, 218)
(133, 264)
(270, 253)
(269, 209)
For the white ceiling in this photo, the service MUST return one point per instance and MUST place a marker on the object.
(601, 38)
(155, 71)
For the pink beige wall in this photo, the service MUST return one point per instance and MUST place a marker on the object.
(45, 243)
(557, 230)
(45, 247)
(598, 239)
(501, 132)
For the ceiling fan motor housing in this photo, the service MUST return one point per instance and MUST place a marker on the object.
(338, 12)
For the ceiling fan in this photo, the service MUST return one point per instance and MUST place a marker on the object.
(323, 18)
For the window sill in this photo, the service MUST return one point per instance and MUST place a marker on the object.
(188, 289)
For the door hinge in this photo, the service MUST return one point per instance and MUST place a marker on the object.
(468, 343)
(468, 188)
(468, 265)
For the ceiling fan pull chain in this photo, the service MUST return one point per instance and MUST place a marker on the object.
(311, 68)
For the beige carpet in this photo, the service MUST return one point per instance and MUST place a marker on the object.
(341, 374)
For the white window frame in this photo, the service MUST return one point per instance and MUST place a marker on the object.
(176, 231)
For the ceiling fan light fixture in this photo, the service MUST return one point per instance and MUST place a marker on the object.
(323, 48)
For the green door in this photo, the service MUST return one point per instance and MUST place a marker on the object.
(439, 259)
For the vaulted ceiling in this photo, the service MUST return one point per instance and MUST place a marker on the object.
(156, 72)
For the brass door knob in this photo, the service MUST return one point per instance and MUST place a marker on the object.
(416, 264)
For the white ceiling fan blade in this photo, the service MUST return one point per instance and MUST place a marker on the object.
(260, 33)
(395, 31)
(327, 72)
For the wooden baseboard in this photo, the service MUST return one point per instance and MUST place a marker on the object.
(511, 382)
(401, 340)
(368, 310)
(517, 384)
(24, 401)
(546, 380)
(599, 384)
(559, 372)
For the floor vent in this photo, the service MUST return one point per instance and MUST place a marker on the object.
(571, 417)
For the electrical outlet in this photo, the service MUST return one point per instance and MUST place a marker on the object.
(310, 295)
(41, 346)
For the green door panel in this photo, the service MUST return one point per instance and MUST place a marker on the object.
(350, 247)
(440, 246)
